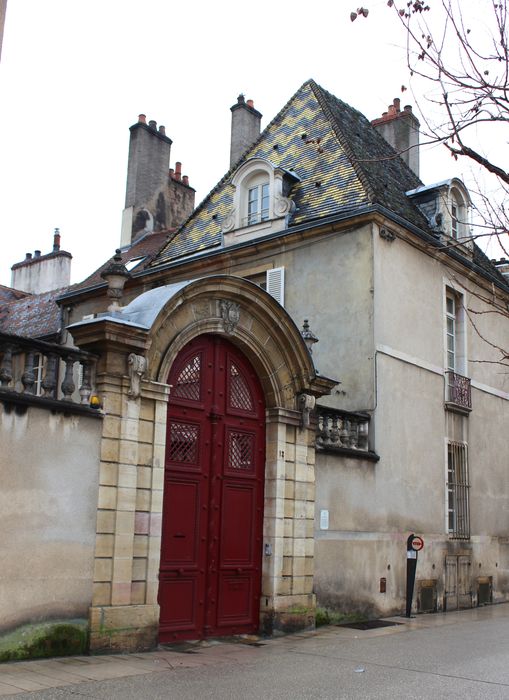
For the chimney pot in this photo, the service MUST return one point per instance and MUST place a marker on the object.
(250, 103)
(28, 256)
(56, 240)
(185, 180)
(241, 99)
(397, 103)
(171, 173)
(37, 253)
(408, 108)
(152, 124)
(142, 118)
(178, 170)
(162, 130)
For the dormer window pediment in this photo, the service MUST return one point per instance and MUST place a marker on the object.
(260, 203)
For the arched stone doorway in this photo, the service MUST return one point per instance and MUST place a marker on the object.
(211, 539)
(138, 347)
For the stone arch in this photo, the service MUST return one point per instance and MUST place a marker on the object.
(263, 331)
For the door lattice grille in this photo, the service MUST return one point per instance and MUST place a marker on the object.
(183, 442)
(188, 381)
(241, 451)
(240, 396)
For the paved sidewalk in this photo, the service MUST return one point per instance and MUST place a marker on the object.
(41, 675)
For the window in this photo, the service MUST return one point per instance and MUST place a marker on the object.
(457, 384)
(451, 332)
(260, 200)
(272, 281)
(458, 513)
(38, 373)
(458, 212)
(258, 204)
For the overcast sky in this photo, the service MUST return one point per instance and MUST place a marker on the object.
(74, 75)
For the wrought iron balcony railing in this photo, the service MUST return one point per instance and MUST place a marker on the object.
(458, 391)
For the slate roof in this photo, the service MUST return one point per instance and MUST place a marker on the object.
(34, 316)
(145, 248)
(322, 140)
(9, 294)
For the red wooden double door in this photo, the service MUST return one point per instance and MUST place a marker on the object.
(210, 574)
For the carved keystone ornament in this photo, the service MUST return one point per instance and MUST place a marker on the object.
(230, 313)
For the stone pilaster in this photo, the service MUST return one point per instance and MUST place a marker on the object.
(287, 601)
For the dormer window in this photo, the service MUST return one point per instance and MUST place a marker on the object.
(258, 203)
(261, 202)
(446, 205)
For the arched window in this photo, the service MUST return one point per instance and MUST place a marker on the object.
(258, 199)
(458, 214)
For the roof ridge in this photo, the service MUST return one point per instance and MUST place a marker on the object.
(318, 91)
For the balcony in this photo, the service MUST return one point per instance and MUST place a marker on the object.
(343, 432)
(57, 377)
(458, 394)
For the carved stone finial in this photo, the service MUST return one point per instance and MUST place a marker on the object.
(309, 337)
(230, 313)
(137, 367)
(306, 405)
(116, 275)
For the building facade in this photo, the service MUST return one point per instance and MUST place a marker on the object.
(292, 381)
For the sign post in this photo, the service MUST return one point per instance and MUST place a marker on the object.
(414, 544)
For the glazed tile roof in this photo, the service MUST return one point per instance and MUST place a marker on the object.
(322, 140)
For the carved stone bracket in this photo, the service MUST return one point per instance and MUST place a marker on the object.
(228, 223)
(283, 206)
(387, 235)
(137, 368)
(230, 313)
(306, 404)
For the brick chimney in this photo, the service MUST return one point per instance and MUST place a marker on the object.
(155, 200)
(401, 130)
(245, 127)
(42, 273)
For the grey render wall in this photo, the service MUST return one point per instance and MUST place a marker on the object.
(374, 507)
(49, 467)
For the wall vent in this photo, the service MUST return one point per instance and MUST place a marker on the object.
(484, 590)
(427, 596)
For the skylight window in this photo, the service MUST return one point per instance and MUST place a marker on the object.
(131, 264)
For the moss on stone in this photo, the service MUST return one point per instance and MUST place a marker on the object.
(326, 616)
(44, 639)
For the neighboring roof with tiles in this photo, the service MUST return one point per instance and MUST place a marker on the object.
(34, 316)
(9, 294)
(322, 140)
(145, 248)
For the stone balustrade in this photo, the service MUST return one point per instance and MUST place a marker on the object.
(31, 367)
(342, 430)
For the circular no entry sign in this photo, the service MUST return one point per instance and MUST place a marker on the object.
(417, 544)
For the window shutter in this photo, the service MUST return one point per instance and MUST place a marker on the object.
(276, 284)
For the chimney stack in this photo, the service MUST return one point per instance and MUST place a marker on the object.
(245, 128)
(401, 130)
(39, 273)
(156, 198)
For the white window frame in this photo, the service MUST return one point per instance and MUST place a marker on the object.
(459, 319)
